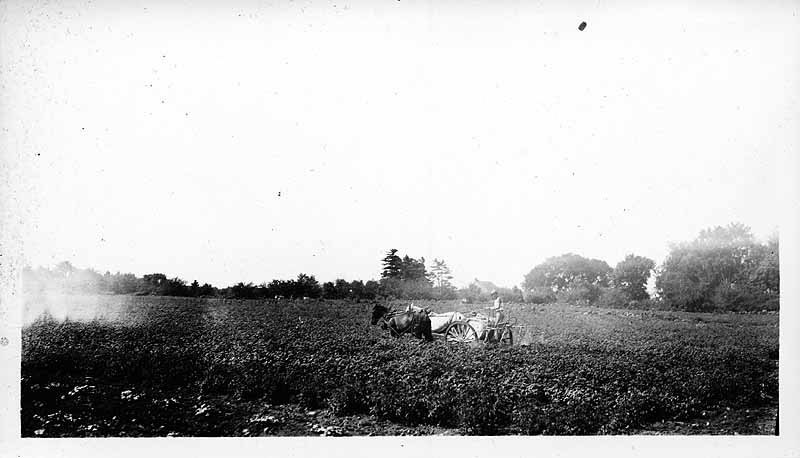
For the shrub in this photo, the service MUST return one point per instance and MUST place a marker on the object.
(540, 295)
(613, 298)
(617, 299)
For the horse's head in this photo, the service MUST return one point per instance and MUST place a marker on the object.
(378, 312)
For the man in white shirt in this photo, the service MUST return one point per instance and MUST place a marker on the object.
(496, 308)
(497, 313)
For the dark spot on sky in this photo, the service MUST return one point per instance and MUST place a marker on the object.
(279, 193)
(582, 26)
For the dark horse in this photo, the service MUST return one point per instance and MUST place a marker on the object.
(400, 322)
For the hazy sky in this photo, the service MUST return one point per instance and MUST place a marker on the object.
(245, 141)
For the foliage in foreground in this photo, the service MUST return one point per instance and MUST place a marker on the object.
(158, 374)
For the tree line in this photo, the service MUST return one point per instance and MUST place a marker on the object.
(401, 278)
(66, 278)
(723, 268)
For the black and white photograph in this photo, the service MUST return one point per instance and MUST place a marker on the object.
(284, 220)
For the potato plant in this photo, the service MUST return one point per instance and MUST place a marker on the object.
(200, 367)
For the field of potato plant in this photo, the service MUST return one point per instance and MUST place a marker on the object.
(159, 366)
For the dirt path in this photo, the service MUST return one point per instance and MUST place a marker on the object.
(758, 421)
(291, 420)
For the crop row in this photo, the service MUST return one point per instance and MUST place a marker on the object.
(332, 358)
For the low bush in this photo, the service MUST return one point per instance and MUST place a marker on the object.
(540, 296)
(580, 294)
(613, 298)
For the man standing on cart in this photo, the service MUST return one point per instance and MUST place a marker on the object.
(497, 315)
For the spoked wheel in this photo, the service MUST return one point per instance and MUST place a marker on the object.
(460, 332)
(506, 337)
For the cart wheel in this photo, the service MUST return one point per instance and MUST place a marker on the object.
(460, 332)
(507, 337)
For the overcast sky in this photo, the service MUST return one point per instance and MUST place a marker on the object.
(247, 141)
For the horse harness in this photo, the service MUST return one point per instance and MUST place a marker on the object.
(387, 317)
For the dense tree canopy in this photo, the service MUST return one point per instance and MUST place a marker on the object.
(560, 273)
(413, 269)
(723, 268)
(405, 277)
(630, 276)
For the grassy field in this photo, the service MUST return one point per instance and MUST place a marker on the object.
(154, 366)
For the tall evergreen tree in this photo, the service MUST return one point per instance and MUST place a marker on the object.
(440, 274)
(392, 265)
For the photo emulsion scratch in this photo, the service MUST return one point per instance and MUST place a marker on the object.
(251, 219)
